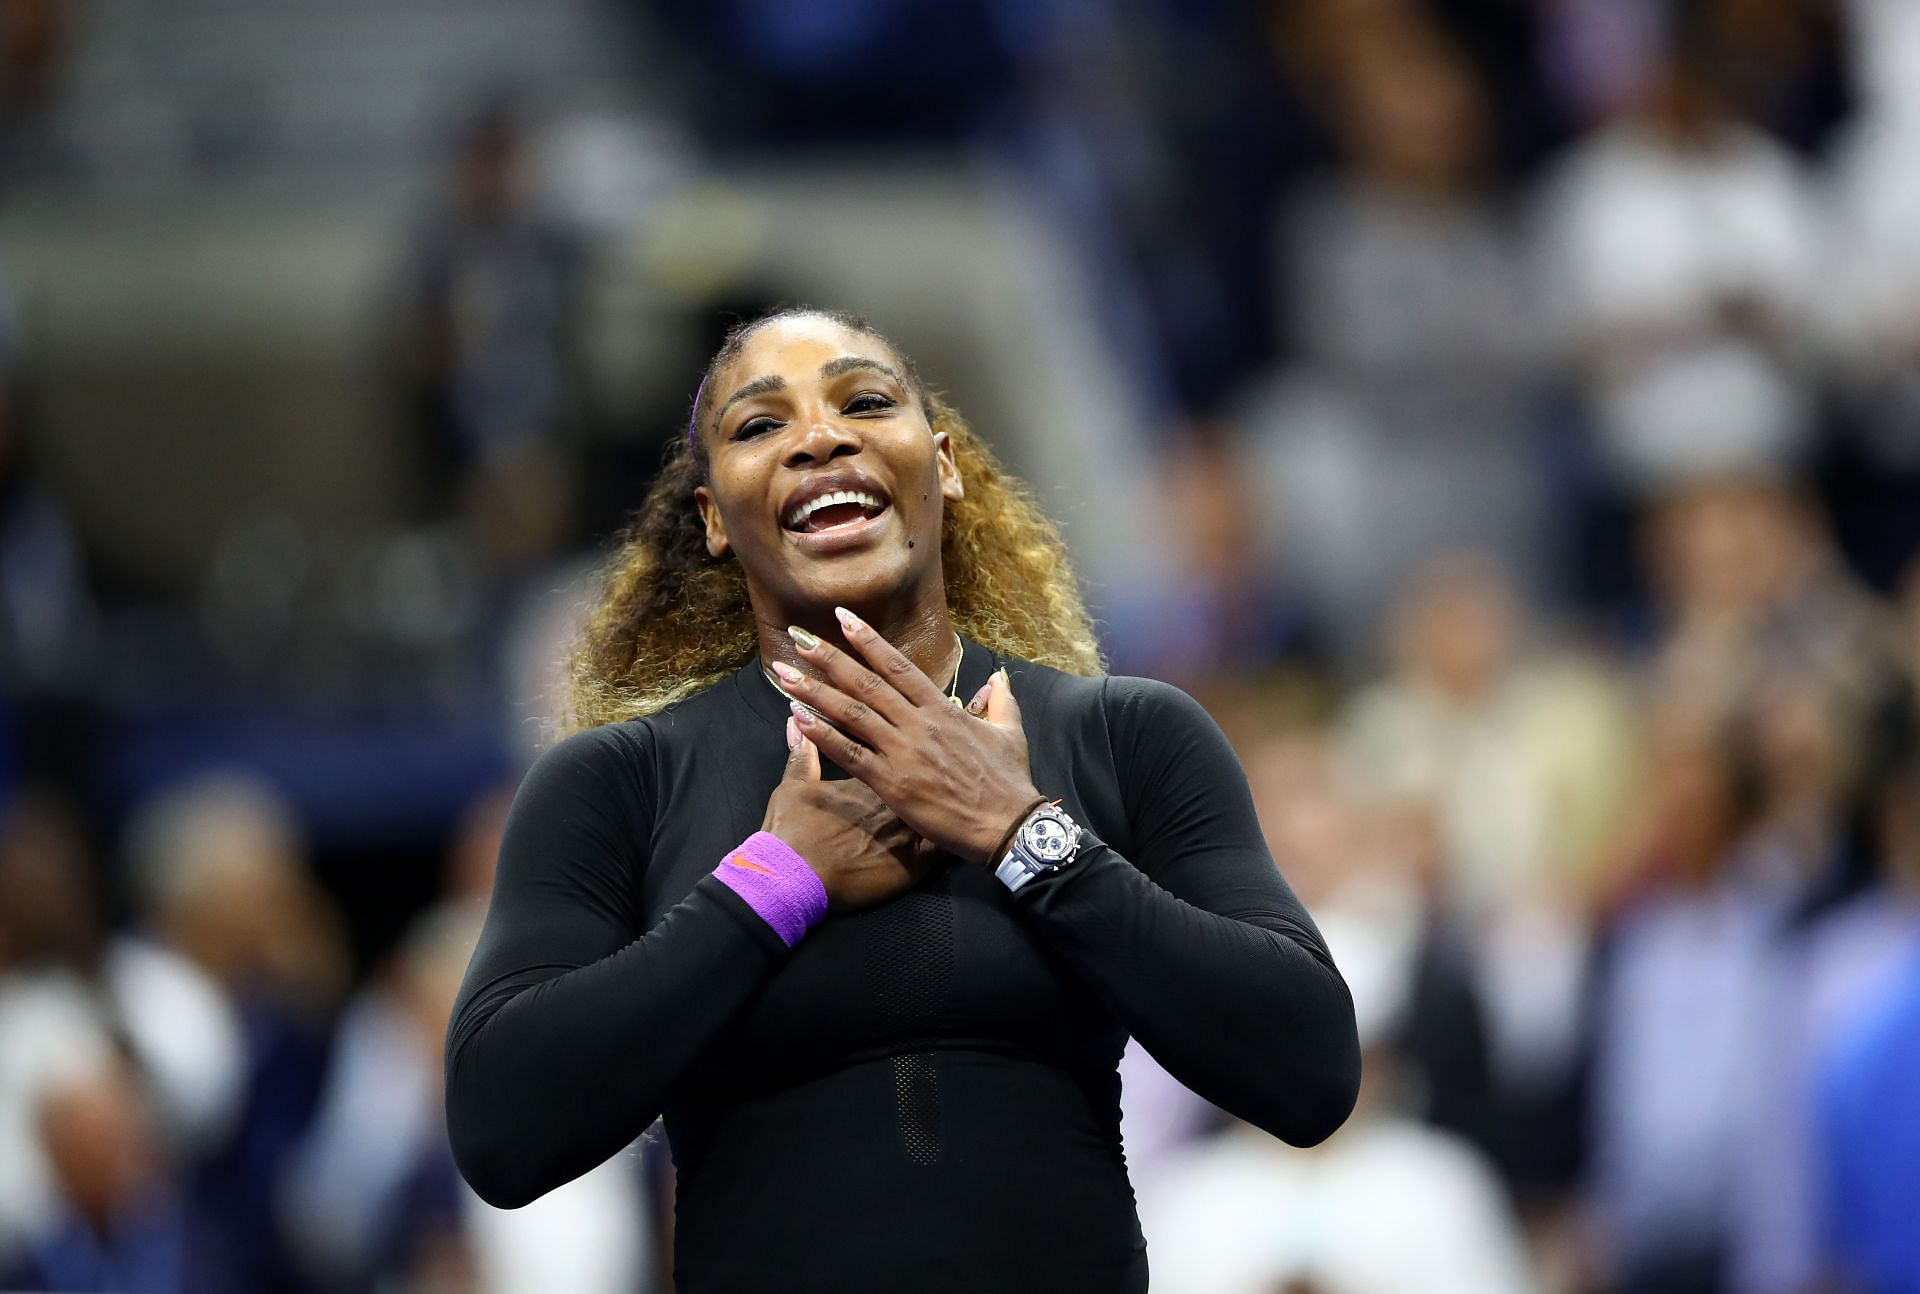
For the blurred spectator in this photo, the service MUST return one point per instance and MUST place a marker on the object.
(1517, 761)
(1826, 982)
(1523, 752)
(50, 912)
(1316, 840)
(1230, 616)
(1806, 768)
(69, 989)
(490, 285)
(1407, 422)
(1241, 1213)
(379, 1133)
(1751, 588)
(1351, 856)
(1404, 286)
(168, 1012)
(1870, 1143)
(371, 1199)
(1680, 250)
(1684, 1011)
(220, 871)
(45, 1021)
(121, 1224)
(1348, 850)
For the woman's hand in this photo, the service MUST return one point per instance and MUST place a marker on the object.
(857, 846)
(957, 779)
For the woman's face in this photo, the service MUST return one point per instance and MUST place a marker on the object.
(810, 408)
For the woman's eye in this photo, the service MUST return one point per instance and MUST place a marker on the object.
(753, 427)
(868, 402)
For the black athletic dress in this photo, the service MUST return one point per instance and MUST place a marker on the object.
(919, 1097)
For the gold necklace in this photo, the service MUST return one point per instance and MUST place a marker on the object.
(953, 688)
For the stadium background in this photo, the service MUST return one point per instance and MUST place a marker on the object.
(1504, 414)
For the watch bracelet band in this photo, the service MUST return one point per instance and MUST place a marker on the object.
(998, 855)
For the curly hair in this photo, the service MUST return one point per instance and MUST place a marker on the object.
(671, 619)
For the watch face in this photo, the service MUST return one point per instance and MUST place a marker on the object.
(1046, 839)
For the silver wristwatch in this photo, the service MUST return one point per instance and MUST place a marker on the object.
(1046, 841)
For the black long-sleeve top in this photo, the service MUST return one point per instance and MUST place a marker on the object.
(920, 1096)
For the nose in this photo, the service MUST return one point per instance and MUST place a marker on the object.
(820, 437)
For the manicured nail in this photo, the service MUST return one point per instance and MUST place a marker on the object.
(848, 620)
(793, 733)
(980, 697)
(806, 640)
(801, 714)
(787, 672)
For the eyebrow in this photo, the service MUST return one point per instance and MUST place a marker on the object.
(759, 386)
(854, 363)
(832, 368)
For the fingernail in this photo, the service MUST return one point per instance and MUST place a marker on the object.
(787, 672)
(793, 733)
(801, 714)
(980, 697)
(1004, 679)
(848, 620)
(806, 640)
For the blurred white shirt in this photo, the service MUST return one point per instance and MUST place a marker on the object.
(1645, 249)
(1386, 1206)
(49, 1026)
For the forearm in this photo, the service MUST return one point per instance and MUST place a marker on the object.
(1241, 1005)
(552, 1069)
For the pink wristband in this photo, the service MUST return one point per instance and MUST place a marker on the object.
(776, 883)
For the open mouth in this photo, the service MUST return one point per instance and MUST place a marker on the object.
(834, 510)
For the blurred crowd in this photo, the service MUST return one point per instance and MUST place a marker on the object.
(1524, 401)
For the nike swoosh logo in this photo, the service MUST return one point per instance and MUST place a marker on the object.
(741, 860)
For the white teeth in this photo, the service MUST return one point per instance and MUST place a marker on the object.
(811, 506)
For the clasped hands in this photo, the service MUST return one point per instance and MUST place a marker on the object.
(931, 777)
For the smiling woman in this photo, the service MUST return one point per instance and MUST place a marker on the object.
(878, 974)
(674, 619)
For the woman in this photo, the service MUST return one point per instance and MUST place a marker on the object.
(884, 1027)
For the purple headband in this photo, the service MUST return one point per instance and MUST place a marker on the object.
(694, 417)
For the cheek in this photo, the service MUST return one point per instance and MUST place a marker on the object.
(739, 506)
(932, 500)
